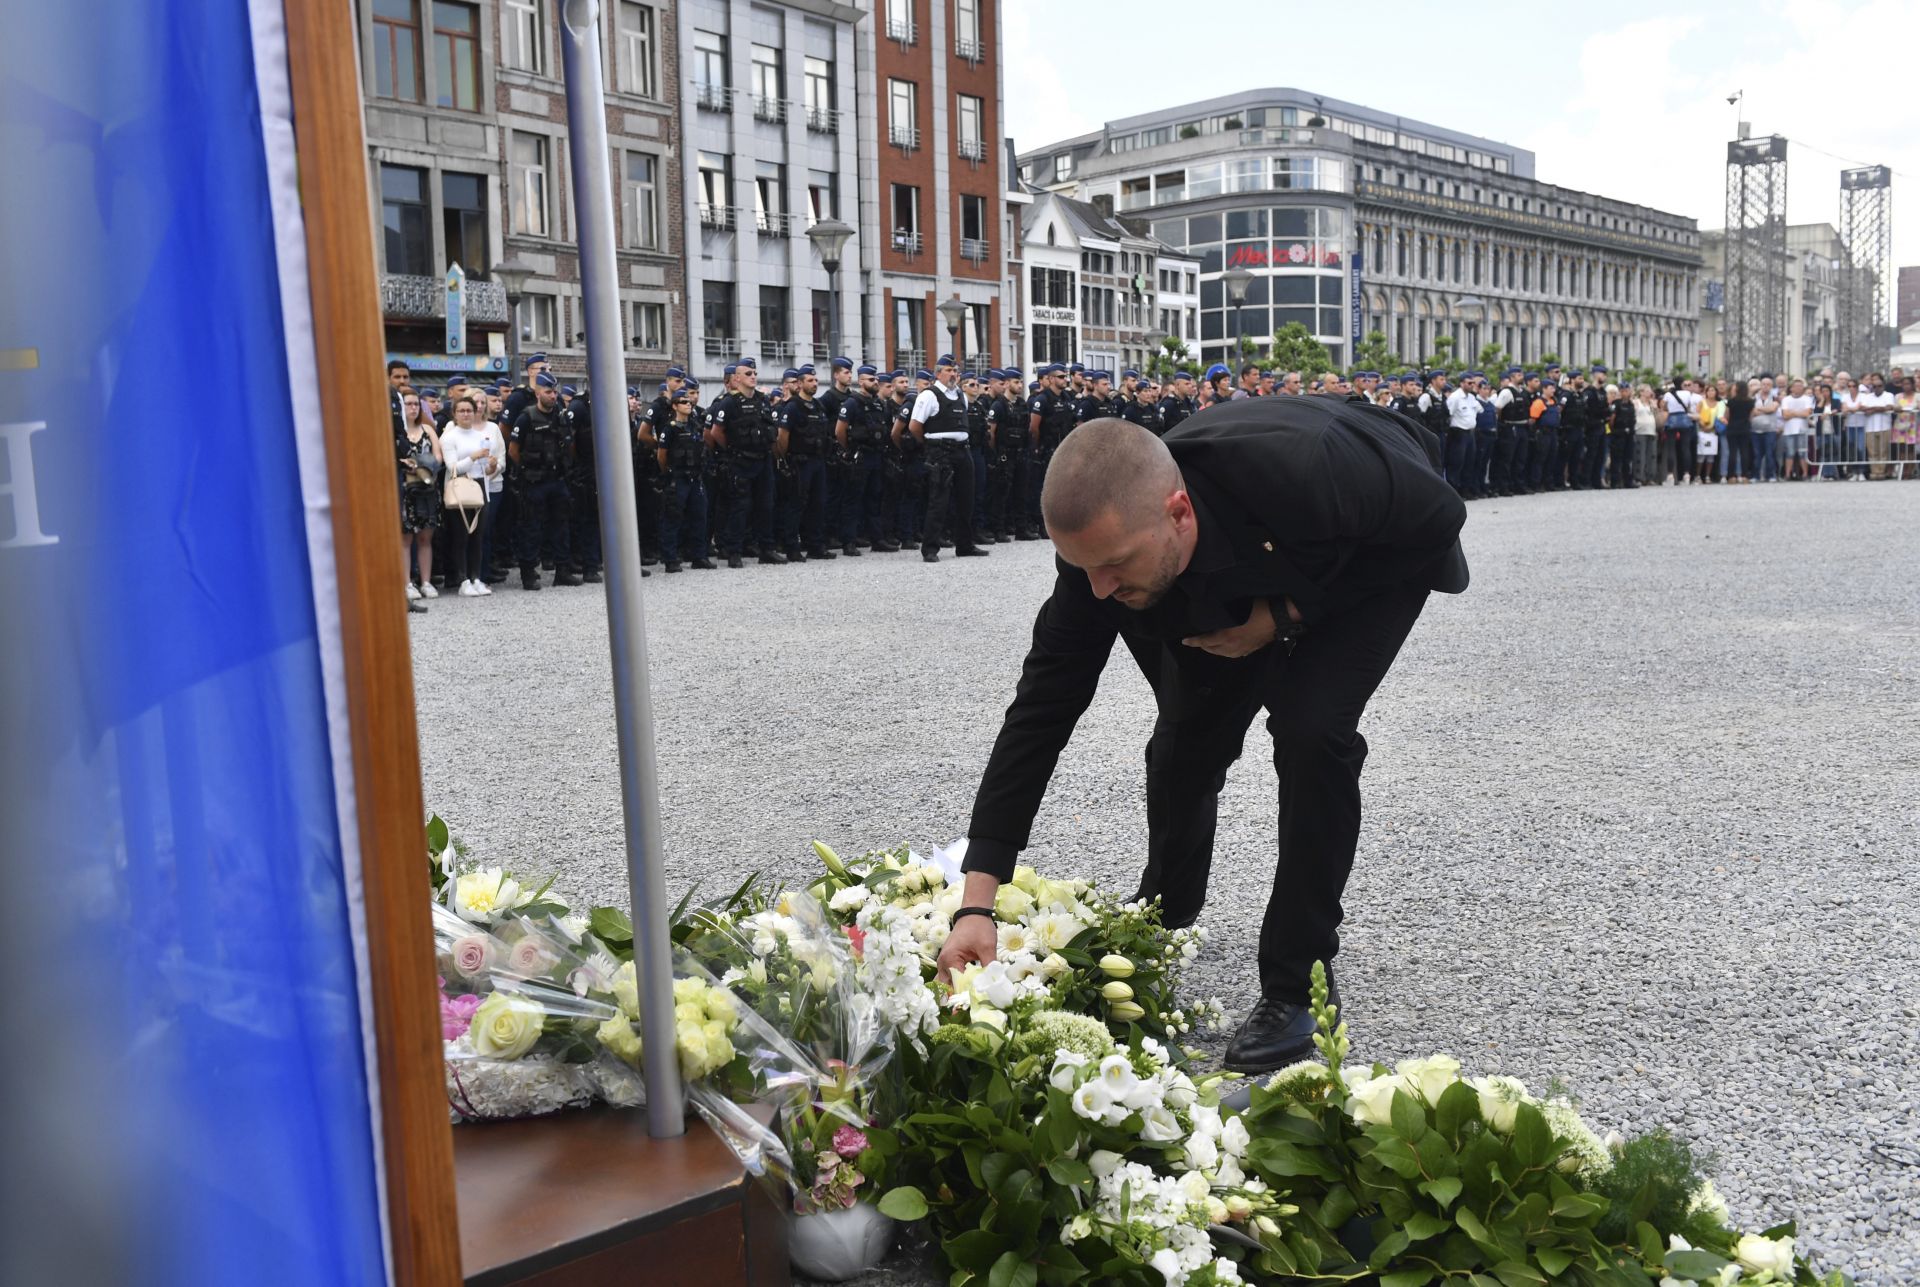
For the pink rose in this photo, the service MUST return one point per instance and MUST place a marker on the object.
(472, 954)
(456, 1015)
(849, 1142)
(529, 956)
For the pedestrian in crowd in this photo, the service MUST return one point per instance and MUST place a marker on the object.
(1647, 467)
(680, 451)
(417, 451)
(1876, 404)
(1707, 443)
(1711, 414)
(468, 449)
(1796, 418)
(1853, 425)
(1766, 432)
(1736, 463)
(1906, 432)
(1620, 437)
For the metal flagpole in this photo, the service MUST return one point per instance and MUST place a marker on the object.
(620, 537)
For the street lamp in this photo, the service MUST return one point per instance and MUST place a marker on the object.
(512, 276)
(953, 312)
(829, 237)
(1237, 280)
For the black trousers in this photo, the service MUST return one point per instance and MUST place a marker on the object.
(1008, 483)
(949, 477)
(583, 499)
(1314, 697)
(541, 522)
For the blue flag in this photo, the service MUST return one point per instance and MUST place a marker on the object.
(183, 952)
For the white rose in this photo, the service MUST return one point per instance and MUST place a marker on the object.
(1168, 1263)
(1194, 1187)
(1054, 965)
(1216, 1210)
(849, 899)
(995, 986)
(1206, 1122)
(1158, 1125)
(1431, 1076)
(1500, 1100)
(1228, 1173)
(1202, 1153)
(1233, 1137)
(1759, 1255)
(1103, 1162)
(1371, 1103)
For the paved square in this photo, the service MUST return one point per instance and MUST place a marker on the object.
(1642, 810)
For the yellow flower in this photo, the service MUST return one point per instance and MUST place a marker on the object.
(626, 990)
(1117, 991)
(484, 896)
(688, 990)
(719, 1003)
(1012, 903)
(689, 1012)
(1116, 967)
(1126, 1011)
(505, 1026)
(618, 1036)
(1026, 879)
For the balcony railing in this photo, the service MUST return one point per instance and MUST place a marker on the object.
(405, 295)
(823, 120)
(715, 98)
(715, 216)
(910, 360)
(968, 47)
(778, 352)
(721, 347)
(902, 30)
(773, 223)
(973, 149)
(907, 243)
(904, 137)
(974, 248)
(769, 109)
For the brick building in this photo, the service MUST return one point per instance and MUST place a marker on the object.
(467, 163)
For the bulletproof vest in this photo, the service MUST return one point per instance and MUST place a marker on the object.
(1173, 409)
(1056, 418)
(1483, 418)
(1597, 409)
(686, 449)
(1573, 409)
(977, 422)
(1091, 407)
(869, 419)
(949, 414)
(902, 413)
(1147, 417)
(578, 418)
(1550, 413)
(1009, 420)
(1515, 412)
(1435, 416)
(808, 431)
(543, 437)
(747, 422)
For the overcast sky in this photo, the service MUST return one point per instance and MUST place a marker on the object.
(1627, 99)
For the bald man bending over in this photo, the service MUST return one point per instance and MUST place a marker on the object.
(1269, 553)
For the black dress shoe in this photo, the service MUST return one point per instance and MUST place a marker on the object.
(851, 550)
(970, 552)
(1276, 1034)
(592, 576)
(886, 547)
(672, 567)
(529, 579)
(930, 556)
(565, 578)
(773, 557)
(702, 565)
(735, 561)
(821, 553)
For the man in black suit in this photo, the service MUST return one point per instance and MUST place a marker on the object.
(1269, 552)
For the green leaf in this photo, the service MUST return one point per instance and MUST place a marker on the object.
(1070, 1171)
(1443, 1190)
(1281, 1158)
(1011, 1271)
(1514, 1273)
(1386, 1249)
(610, 924)
(903, 1203)
(1695, 1263)
(1409, 1116)
(1398, 1156)
(1417, 1277)
(437, 837)
(1459, 1105)
(1470, 1225)
(1580, 1206)
(1422, 1225)
(996, 1168)
(1553, 1259)
(1652, 1249)
(1532, 1137)
(1339, 1206)
(976, 1249)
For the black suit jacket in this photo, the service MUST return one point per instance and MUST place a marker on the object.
(1314, 499)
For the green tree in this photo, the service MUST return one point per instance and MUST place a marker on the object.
(1295, 349)
(1172, 354)
(1547, 360)
(1374, 355)
(1441, 359)
(1493, 360)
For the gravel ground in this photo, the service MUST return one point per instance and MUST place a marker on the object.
(1641, 807)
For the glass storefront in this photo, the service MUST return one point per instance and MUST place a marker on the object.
(1298, 258)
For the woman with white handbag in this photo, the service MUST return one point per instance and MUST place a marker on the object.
(470, 459)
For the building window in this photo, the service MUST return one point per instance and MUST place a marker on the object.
(640, 199)
(637, 75)
(716, 194)
(909, 330)
(823, 196)
(900, 21)
(966, 29)
(973, 228)
(768, 94)
(532, 215)
(521, 28)
(538, 319)
(456, 55)
(716, 311)
(710, 76)
(820, 110)
(650, 328)
(973, 144)
(396, 49)
(774, 326)
(404, 216)
(906, 219)
(903, 125)
(463, 218)
(770, 196)
(1063, 167)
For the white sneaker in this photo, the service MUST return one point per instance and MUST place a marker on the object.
(413, 591)
(482, 588)
(428, 592)
(466, 590)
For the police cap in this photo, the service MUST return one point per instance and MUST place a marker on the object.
(545, 381)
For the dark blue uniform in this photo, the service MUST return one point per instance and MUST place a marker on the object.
(803, 480)
(683, 509)
(746, 421)
(583, 492)
(1174, 409)
(546, 446)
(872, 496)
(1056, 422)
(1012, 449)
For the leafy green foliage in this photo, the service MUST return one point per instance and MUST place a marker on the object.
(1295, 349)
(1373, 354)
(1653, 1180)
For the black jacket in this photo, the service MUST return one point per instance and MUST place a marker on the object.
(1323, 501)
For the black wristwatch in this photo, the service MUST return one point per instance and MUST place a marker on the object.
(971, 911)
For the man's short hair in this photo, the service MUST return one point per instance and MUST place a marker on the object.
(398, 365)
(1103, 465)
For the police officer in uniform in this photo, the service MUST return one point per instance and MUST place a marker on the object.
(649, 483)
(1097, 402)
(743, 424)
(808, 435)
(1507, 475)
(939, 421)
(839, 463)
(1178, 402)
(862, 430)
(911, 453)
(1012, 447)
(1597, 414)
(977, 402)
(1142, 410)
(1573, 433)
(1546, 436)
(1050, 418)
(681, 456)
(539, 446)
(583, 492)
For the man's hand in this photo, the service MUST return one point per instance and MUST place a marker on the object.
(1240, 641)
(973, 938)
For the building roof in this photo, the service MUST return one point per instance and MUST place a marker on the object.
(1088, 222)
